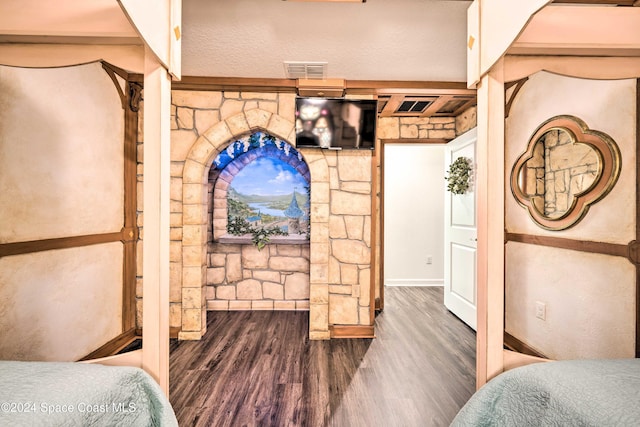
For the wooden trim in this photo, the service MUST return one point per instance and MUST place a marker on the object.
(374, 235)
(514, 359)
(513, 343)
(407, 87)
(352, 87)
(436, 105)
(355, 331)
(612, 249)
(391, 106)
(129, 273)
(415, 141)
(110, 68)
(637, 215)
(599, 2)
(518, 85)
(464, 107)
(111, 72)
(19, 248)
(380, 301)
(113, 346)
(234, 84)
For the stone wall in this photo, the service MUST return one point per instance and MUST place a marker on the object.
(338, 260)
(207, 274)
(347, 236)
(240, 277)
(426, 127)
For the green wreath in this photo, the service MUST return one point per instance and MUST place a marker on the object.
(459, 177)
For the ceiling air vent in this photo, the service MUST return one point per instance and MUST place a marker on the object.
(413, 106)
(305, 70)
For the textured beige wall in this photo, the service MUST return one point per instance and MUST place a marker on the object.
(61, 174)
(61, 153)
(60, 305)
(590, 309)
(607, 106)
(590, 299)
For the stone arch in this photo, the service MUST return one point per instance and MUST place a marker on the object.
(194, 219)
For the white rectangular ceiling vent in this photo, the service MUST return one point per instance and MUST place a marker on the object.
(305, 70)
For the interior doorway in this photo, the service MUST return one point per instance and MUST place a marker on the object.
(412, 214)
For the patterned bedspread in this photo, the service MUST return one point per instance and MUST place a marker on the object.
(77, 394)
(564, 393)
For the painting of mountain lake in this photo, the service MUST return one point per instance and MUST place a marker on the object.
(268, 195)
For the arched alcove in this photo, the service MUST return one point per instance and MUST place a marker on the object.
(242, 274)
(245, 152)
(195, 218)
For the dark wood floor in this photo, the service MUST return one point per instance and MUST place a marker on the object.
(259, 369)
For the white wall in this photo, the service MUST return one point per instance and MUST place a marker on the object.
(413, 214)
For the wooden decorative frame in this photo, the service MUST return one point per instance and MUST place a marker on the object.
(608, 171)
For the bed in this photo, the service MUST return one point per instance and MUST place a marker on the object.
(561, 393)
(78, 394)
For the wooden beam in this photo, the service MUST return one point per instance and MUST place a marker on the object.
(490, 192)
(129, 265)
(408, 86)
(155, 268)
(604, 248)
(392, 105)
(234, 84)
(637, 214)
(436, 105)
(18, 248)
(515, 344)
(113, 346)
(352, 87)
(599, 2)
(375, 199)
(559, 30)
(352, 331)
(415, 141)
(464, 107)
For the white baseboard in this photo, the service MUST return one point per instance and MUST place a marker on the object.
(414, 282)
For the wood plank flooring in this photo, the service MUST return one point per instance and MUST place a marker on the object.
(259, 369)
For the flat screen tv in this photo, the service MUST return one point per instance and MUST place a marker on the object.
(336, 123)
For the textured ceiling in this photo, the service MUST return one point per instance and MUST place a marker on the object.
(423, 40)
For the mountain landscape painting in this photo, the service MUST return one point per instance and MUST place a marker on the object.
(268, 194)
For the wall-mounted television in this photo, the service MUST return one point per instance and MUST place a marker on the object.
(336, 123)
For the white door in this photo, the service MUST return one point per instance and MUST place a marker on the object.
(460, 237)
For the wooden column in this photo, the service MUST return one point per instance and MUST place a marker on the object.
(490, 191)
(155, 327)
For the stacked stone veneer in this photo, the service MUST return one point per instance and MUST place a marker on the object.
(338, 256)
(240, 277)
(558, 171)
(426, 127)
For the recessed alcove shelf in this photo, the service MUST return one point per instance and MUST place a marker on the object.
(298, 239)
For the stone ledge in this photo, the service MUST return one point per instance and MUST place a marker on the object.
(299, 239)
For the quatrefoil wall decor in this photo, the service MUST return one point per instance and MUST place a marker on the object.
(566, 168)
